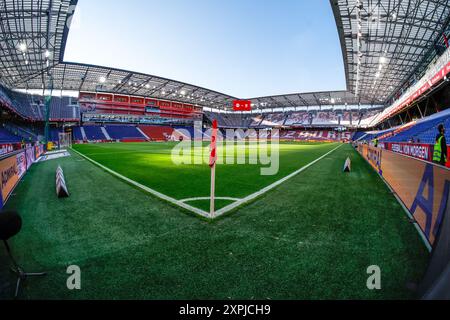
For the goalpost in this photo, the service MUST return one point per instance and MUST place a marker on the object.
(65, 140)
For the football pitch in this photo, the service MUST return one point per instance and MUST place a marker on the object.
(152, 165)
(312, 237)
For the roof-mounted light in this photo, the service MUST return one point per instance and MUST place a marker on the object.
(23, 47)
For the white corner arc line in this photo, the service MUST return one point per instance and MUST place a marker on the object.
(208, 198)
(147, 189)
(200, 212)
(272, 186)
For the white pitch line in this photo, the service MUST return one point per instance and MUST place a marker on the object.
(148, 190)
(272, 186)
(182, 204)
(209, 198)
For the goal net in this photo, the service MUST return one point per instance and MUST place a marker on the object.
(65, 140)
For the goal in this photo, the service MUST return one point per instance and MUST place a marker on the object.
(65, 140)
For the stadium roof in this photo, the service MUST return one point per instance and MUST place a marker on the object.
(316, 99)
(398, 33)
(386, 42)
(83, 77)
(33, 37)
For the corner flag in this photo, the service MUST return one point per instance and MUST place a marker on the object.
(213, 156)
(212, 164)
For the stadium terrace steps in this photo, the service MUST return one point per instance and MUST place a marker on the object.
(78, 134)
(157, 133)
(105, 133)
(359, 136)
(94, 133)
(83, 133)
(143, 133)
(119, 132)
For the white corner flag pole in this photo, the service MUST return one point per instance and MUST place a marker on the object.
(213, 191)
(212, 164)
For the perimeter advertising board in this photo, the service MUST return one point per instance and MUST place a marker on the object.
(415, 150)
(9, 172)
(420, 185)
(30, 157)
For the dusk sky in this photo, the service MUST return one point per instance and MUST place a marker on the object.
(245, 48)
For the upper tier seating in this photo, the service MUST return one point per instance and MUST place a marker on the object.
(32, 107)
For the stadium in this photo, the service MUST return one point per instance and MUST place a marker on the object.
(118, 184)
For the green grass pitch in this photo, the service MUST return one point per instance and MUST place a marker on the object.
(151, 165)
(313, 237)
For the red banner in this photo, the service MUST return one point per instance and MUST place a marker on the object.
(415, 150)
(242, 105)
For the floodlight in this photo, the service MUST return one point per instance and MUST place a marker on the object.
(23, 47)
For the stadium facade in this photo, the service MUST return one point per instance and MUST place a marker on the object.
(388, 48)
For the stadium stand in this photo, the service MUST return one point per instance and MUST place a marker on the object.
(54, 134)
(359, 136)
(157, 133)
(274, 119)
(21, 131)
(397, 64)
(77, 134)
(371, 135)
(31, 107)
(256, 121)
(299, 135)
(230, 120)
(94, 133)
(423, 131)
(8, 137)
(119, 132)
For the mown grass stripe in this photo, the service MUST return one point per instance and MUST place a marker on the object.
(272, 186)
(147, 189)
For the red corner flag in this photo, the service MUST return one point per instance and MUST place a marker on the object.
(446, 40)
(213, 156)
(212, 164)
